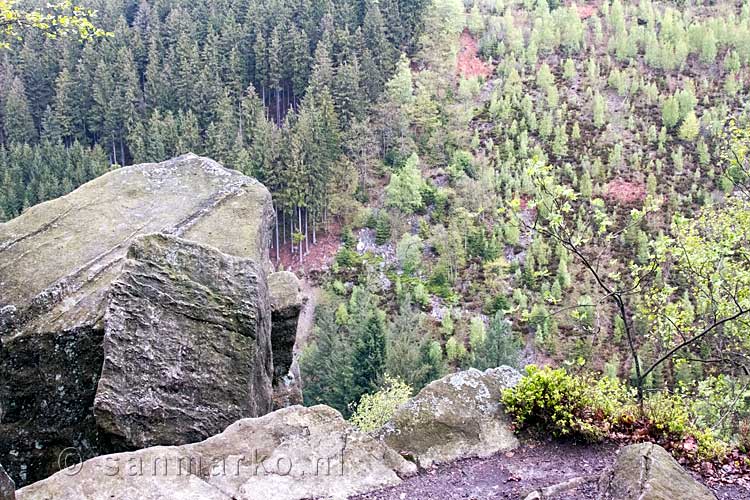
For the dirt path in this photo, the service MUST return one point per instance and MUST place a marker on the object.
(506, 475)
(514, 475)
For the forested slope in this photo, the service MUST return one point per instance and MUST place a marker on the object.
(215, 78)
(584, 205)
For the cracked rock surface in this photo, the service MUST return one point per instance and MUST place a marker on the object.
(111, 340)
(646, 471)
(287, 301)
(187, 344)
(290, 454)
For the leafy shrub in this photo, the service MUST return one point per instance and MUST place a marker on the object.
(579, 406)
(421, 296)
(455, 350)
(374, 410)
(338, 287)
(667, 414)
(551, 400)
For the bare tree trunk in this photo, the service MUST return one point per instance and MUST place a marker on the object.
(291, 231)
(239, 113)
(299, 215)
(307, 242)
(278, 106)
(276, 228)
(283, 223)
(315, 239)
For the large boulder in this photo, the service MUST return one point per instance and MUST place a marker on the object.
(7, 487)
(646, 471)
(70, 293)
(292, 453)
(187, 344)
(457, 416)
(59, 257)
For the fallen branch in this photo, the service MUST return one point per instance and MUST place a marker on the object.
(551, 491)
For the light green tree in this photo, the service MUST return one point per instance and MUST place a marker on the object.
(375, 409)
(409, 252)
(670, 112)
(404, 189)
(690, 128)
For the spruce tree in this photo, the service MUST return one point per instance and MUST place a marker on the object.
(18, 123)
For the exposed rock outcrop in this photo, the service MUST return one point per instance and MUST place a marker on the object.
(69, 296)
(286, 304)
(646, 471)
(186, 346)
(457, 416)
(7, 487)
(292, 453)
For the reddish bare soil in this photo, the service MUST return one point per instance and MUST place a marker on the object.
(319, 256)
(586, 11)
(469, 64)
(624, 192)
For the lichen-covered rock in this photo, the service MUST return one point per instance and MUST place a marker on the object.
(58, 262)
(292, 453)
(457, 416)
(646, 471)
(187, 344)
(59, 257)
(7, 487)
(286, 304)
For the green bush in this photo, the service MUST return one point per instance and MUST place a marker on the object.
(551, 400)
(579, 406)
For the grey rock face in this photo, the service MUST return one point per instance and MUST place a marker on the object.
(47, 387)
(646, 471)
(7, 488)
(58, 258)
(286, 305)
(186, 344)
(289, 454)
(69, 293)
(457, 416)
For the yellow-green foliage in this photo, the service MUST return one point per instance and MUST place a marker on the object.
(374, 410)
(670, 418)
(581, 406)
(61, 18)
(567, 405)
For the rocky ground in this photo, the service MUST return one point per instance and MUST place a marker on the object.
(513, 475)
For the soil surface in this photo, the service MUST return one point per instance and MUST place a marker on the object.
(468, 63)
(317, 257)
(513, 475)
